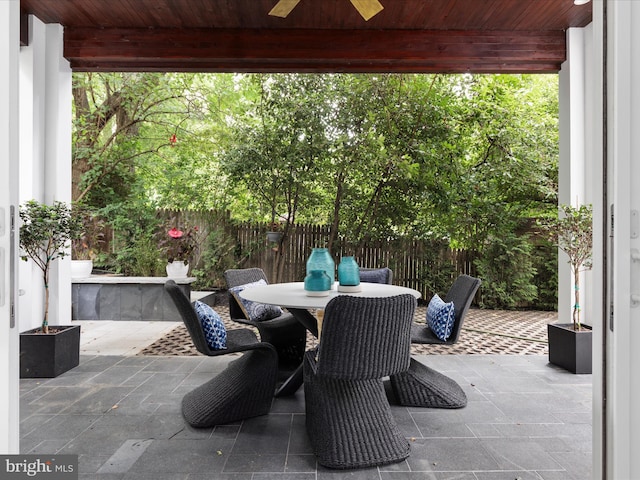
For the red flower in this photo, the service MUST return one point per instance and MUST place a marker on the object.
(175, 233)
(178, 244)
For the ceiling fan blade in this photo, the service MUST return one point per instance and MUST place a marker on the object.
(283, 8)
(367, 8)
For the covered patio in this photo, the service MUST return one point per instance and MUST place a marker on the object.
(597, 164)
(121, 414)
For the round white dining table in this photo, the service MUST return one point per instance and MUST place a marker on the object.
(294, 298)
(293, 294)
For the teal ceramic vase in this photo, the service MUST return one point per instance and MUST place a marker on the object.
(348, 272)
(317, 283)
(349, 276)
(321, 259)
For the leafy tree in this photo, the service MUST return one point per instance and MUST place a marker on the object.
(508, 126)
(188, 175)
(134, 141)
(111, 113)
(572, 232)
(386, 126)
(508, 173)
(45, 235)
(465, 159)
(278, 145)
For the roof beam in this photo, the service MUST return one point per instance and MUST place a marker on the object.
(311, 50)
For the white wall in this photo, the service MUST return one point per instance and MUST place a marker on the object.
(45, 161)
(9, 142)
(623, 141)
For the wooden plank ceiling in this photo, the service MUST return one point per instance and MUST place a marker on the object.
(447, 36)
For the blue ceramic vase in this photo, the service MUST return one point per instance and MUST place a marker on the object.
(317, 283)
(348, 272)
(321, 259)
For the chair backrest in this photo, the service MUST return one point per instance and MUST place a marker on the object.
(376, 275)
(189, 317)
(461, 294)
(364, 338)
(237, 277)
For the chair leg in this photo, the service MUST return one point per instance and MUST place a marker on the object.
(350, 424)
(421, 386)
(242, 390)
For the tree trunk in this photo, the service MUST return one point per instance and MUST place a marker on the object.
(45, 321)
(576, 306)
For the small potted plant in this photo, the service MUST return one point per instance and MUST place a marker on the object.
(179, 245)
(86, 247)
(45, 235)
(572, 233)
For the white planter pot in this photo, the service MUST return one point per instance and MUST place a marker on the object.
(81, 268)
(177, 269)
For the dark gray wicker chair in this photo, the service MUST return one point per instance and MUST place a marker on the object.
(348, 416)
(285, 333)
(387, 276)
(461, 294)
(421, 386)
(242, 390)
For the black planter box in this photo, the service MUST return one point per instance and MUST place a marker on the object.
(569, 349)
(49, 355)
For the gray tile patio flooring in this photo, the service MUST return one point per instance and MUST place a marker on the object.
(121, 414)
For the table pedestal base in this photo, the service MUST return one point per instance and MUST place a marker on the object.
(295, 380)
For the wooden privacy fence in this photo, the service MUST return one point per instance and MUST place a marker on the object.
(427, 266)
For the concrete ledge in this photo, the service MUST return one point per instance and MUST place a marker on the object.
(112, 279)
(125, 298)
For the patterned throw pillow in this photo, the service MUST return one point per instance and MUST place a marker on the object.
(255, 311)
(214, 331)
(440, 317)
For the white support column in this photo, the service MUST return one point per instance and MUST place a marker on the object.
(574, 159)
(32, 130)
(45, 166)
(580, 181)
(9, 142)
(57, 167)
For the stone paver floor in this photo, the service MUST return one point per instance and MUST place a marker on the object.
(120, 412)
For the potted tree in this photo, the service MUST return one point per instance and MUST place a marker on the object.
(572, 232)
(45, 234)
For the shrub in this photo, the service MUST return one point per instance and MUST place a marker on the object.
(507, 272)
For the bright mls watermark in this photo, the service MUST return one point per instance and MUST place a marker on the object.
(50, 467)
